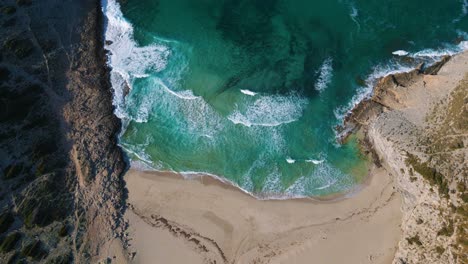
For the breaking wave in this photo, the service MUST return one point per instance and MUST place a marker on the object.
(273, 110)
(427, 56)
(127, 59)
(325, 75)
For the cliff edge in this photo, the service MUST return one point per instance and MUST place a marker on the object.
(416, 125)
(60, 168)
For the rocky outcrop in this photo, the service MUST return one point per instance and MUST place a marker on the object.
(416, 125)
(60, 168)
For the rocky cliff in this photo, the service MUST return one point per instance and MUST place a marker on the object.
(416, 126)
(60, 167)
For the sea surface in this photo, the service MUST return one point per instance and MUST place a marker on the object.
(250, 91)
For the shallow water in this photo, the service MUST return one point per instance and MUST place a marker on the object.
(251, 90)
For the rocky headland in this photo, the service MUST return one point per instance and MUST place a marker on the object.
(60, 167)
(415, 124)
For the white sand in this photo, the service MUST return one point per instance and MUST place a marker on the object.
(173, 220)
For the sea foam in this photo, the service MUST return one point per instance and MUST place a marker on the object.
(394, 66)
(272, 110)
(364, 92)
(325, 75)
(400, 53)
(126, 58)
(248, 92)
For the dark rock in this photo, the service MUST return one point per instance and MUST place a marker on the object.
(24, 2)
(4, 74)
(35, 250)
(10, 241)
(63, 232)
(12, 171)
(43, 204)
(22, 48)
(9, 10)
(14, 259)
(6, 220)
(61, 259)
(58, 132)
(435, 68)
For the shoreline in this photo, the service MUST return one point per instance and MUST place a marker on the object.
(209, 219)
(167, 205)
(207, 178)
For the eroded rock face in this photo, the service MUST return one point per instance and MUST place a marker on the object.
(388, 94)
(60, 167)
(427, 155)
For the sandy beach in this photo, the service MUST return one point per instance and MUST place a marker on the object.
(173, 220)
(203, 220)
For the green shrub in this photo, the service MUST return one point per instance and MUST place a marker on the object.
(440, 250)
(447, 230)
(430, 174)
(414, 240)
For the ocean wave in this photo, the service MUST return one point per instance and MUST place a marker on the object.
(328, 185)
(325, 176)
(271, 111)
(394, 66)
(126, 58)
(435, 54)
(354, 14)
(185, 94)
(364, 92)
(272, 184)
(400, 53)
(314, 161)
(248, 92)
(325, 75)
(464, 11)
(290, 160)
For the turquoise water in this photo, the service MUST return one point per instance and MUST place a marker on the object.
(251, 91)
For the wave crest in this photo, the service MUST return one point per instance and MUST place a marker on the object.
(270, 111)
(325, 75)
(126, 58)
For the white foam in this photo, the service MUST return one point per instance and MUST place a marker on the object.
(400, 53)
(393, 67)
(270, 111)
(464, 10)
(248, 92)
(364, 92)
(186, 94)
(272, 185)
(436, 54)
(126, 58)
(316, 162)
(290, 161)
(432, 53)
(354, 14)
(325, 76)
(328, 185)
